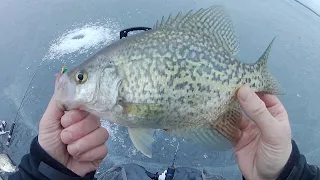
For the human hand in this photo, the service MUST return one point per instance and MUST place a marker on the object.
(265, 145)
(74, 138)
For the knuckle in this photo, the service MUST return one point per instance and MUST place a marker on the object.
(89, 124)
(95, 117)
(105, 134)
(97, 122)
(81, 131)
(259, 109)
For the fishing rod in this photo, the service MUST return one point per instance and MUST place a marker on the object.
(24, 96)
(171, 169)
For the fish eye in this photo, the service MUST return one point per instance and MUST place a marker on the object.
(81, 77)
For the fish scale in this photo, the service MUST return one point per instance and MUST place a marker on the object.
(192, 71)
(182, 77)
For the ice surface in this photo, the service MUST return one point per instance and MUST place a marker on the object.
(46, 32)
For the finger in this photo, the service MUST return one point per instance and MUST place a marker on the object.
(73, 116)
(256, 110)
(269, 99)
(95, 154)
(90, 141)
(80, 129)
(274, 105)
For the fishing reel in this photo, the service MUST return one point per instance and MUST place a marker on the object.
(3, 126)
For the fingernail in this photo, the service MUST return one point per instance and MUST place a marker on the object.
(245, 93)
(74, 149)
(98, 161)
(66, 137)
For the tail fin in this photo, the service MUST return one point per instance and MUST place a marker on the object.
(270, 83)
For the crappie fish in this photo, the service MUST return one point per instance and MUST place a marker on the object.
(182, 77)
(6, 164)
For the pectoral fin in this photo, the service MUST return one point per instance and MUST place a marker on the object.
(142, 139)
(143, 110)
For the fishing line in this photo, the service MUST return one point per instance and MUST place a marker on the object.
(24, 96)
(175, 155)
(310, 9)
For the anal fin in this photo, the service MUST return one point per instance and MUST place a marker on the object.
(142, 139)
(220, 135)
(209, 137)
(228, 123)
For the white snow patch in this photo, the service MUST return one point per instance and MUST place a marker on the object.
(112, 129)
(118, 137)
(83, 38)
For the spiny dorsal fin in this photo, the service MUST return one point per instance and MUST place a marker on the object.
(214, 22)
(271, 84)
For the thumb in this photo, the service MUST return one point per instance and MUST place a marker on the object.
(256, 110)
(54, 109)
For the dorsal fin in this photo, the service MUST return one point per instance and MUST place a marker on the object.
(214, 22)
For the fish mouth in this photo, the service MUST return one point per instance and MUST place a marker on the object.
(65, 91)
